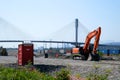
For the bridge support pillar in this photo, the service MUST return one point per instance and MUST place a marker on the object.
(76, 32)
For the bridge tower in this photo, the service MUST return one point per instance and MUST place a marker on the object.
(76, 32)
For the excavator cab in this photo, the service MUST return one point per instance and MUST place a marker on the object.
(75, 52)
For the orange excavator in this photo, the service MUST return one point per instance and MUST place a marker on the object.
(87, 49)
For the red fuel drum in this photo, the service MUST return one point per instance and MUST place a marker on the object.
(25, 54)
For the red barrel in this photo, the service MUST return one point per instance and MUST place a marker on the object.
(25, 54)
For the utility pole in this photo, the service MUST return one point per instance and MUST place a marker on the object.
(76, 32)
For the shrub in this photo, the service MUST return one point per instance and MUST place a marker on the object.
(22, 73)
(63, 74)
(100, 53)
(3, 51)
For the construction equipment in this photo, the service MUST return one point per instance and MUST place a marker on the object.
(87, 49)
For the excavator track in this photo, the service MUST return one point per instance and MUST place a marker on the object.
(95, 57)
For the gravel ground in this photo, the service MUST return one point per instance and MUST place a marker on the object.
(75, 66)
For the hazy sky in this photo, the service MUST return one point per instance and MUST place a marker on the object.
(39, 18)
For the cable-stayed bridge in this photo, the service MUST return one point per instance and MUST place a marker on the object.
(73, 33)
(69, 34)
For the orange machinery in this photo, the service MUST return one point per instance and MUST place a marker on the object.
(86, 49)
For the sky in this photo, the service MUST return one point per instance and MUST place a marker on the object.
(39, 18)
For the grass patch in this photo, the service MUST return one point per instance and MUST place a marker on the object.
(23, 73)
(96, 75)
(63, 74)
(30, 73)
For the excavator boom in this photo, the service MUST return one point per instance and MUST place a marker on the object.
(88, 39)
(86, 49)
(96, 34)
(97, 38)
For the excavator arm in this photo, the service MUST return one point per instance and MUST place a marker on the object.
(88, 39)
(96, 33)
(97, 38)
